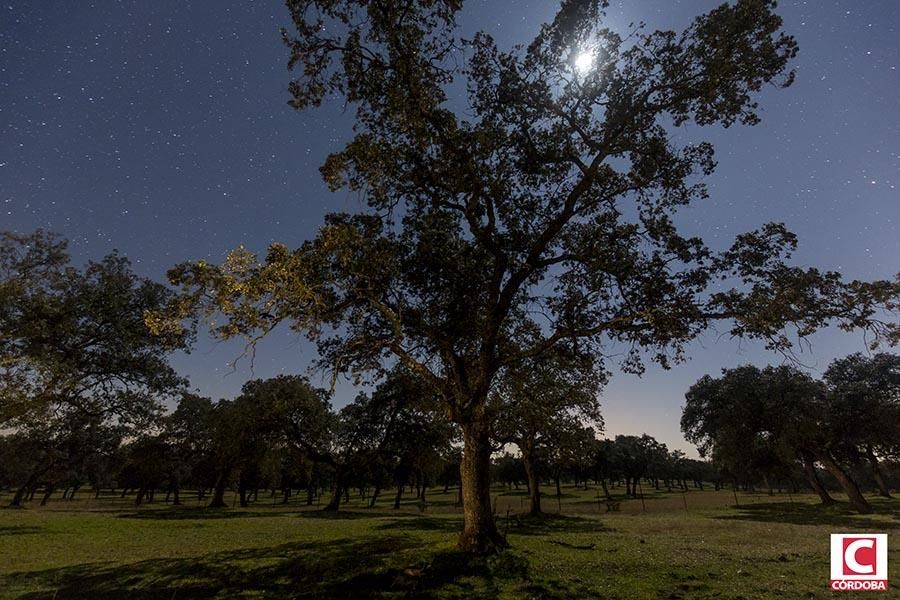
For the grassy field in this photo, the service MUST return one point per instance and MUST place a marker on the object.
(696, 545)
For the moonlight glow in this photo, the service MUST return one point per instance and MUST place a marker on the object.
(584, 61)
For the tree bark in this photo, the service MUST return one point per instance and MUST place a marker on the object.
(534, 485)
(218, 499)
(334, 504)
(47, 493)
(876, 474)
(398, 497)
(480, 534)
(810, 470)
(857, 501)
(337, 490)
(16, 501)
(242, 493)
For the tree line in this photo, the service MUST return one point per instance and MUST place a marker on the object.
(766, 422)
(85, 384)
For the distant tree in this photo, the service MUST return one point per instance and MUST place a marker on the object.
(508, 470)
(148, 467)
(189, 434)
(604, 463)
(228, 427)
(635, 457)
(569, 445)
(536, 212)
(393, 423)
(777, 411)
(60, 451)
(739, 421)
(535, 403)
(419, 435)
(863, 395)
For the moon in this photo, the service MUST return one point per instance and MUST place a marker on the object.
(584, 62)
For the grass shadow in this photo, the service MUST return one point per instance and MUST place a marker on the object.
(198, 513)
(838, 515)
(342, 515)
(548, 523)
(395, 566)
(420, 523)
(20, 530)
(359, 568)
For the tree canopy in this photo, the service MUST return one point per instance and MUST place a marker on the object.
(73, 340)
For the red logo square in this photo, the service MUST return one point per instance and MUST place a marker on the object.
(860, 555)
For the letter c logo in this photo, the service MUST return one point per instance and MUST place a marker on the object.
(850, 556)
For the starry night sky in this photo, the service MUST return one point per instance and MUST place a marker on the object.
(161, 128)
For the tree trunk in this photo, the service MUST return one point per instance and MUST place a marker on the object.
(810, 470)
(337, 490)
(19, 496)
(480, 534)
(876, 474)
(857, 501)
(47, 493)
(768, 484)
(242, 493)
(605, 489)
(218, 499)
(398, 496)
(177, 500)
(534, 485)
(374, 497)
(334, 504)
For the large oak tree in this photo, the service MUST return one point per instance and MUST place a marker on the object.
(516, 203)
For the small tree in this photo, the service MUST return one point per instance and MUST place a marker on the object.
(535, 403)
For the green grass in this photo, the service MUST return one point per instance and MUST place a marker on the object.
(769, 547)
